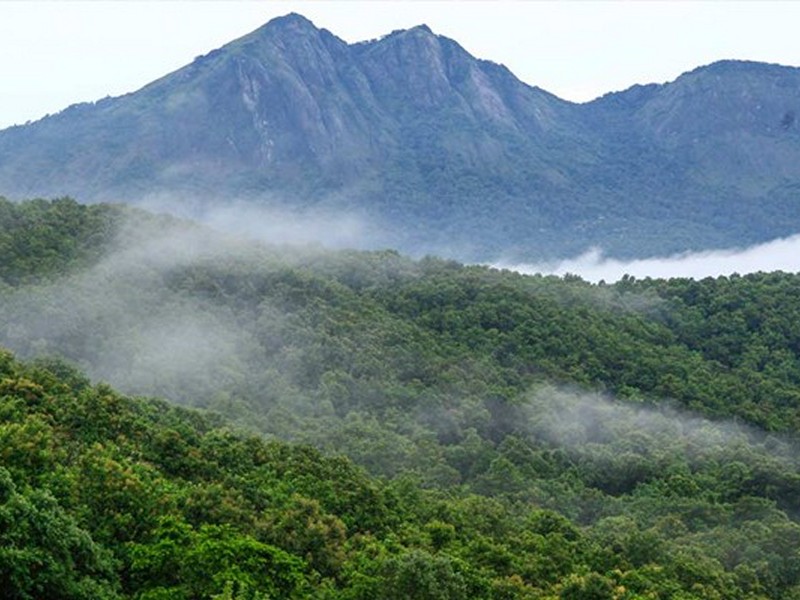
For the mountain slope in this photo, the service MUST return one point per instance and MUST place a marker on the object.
(494, 483)
(109, 497)
(433, 149)
(728, 132)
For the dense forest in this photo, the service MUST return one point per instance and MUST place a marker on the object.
(379, 427)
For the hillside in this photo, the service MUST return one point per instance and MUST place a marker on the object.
(536, 437)
(104, 496)
(161, 306)
(431, 150)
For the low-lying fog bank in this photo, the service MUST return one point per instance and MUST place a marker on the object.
(777, 255)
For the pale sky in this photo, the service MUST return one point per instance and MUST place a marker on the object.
(59, 52)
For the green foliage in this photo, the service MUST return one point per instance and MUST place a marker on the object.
(417, 574)
(43, 238)
(178, 562)
(45, 554)
(525, 437)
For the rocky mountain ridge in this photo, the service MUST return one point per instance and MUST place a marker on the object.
(433, 149)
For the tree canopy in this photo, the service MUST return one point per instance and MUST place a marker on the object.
(377, 427)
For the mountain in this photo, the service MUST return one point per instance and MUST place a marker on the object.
(433, 150)
(725, 137)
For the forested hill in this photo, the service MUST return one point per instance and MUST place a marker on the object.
(433, 150)
(534, 437)
(105, 285)
(105, 497)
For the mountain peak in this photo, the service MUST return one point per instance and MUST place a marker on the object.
(291, 19)
(736, 66)
(422, 28)
(740, 68)
(418, 31)
(291, 24)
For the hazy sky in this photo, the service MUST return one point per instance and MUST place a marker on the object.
(59, 52)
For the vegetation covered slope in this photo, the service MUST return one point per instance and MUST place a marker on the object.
(483, 399)
(104, 496)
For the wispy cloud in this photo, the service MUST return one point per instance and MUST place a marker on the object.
(268, 220)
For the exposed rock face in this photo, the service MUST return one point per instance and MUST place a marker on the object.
(442, 151)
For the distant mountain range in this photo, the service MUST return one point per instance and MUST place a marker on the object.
(435, 150)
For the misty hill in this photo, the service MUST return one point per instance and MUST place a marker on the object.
(432, 150)
(298, 343)
(482, 398)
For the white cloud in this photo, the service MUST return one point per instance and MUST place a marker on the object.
(777, 255)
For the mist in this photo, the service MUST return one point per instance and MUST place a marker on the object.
(151, 317)
(270, 220)
(577, 420)
(209, 319)
(623, 444)
(777, 255)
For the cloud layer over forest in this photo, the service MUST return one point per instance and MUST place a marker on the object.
(777, 255)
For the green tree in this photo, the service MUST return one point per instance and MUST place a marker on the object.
(44, 554)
